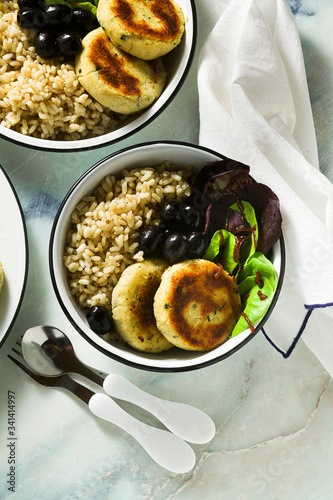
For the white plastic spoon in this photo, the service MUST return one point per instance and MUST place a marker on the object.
(184, 420)
(165, 448)
(168, 450)
(50, 352)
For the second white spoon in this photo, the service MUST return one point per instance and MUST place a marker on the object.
(50, 352)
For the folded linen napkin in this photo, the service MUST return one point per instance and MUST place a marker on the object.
(255, 108)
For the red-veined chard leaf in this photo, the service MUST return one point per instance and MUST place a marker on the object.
(249, 245)
(221, 184)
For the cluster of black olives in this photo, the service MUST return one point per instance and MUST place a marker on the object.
(59, 28)
(179, 237)
(100, 320)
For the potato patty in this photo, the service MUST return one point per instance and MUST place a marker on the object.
(197, 305)
(144, 28)
(132, 306)
(118, 81)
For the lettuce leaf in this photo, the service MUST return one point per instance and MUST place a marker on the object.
(257, 283)
(248, 247)
(255, 274)
(223, 244)
(238, 241)
(221, 184)
(259, 266)
(267, 207)
(230, 175)
(257, 302)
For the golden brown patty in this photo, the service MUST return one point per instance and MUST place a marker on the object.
(122, 83)
(197, 305)
(144, 28)
(132, 306)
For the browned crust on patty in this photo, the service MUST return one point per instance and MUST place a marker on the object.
(198, 305)
(164, 10)
(142, 307)
(117, 80)
(132, 306)
(111, 67)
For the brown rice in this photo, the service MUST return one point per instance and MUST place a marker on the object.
(103, 238)
(39, 98)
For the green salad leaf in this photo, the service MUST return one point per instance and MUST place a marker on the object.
(257, 284)
(223, 244)
(226, 246)
(257, 302)
(258, 263)
(248, 247)
(255, 274)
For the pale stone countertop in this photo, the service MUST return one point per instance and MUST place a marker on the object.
(273, 416)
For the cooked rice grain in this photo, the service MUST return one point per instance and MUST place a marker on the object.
(43, 98)
(103, 238)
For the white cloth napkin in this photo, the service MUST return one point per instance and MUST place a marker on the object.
(255, 108)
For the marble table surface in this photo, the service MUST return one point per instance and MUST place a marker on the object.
(273, 416)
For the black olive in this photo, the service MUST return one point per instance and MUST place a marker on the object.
(57, 14)
(69, 44)
(30, 18)
(99, 319)
(39, 4)
(46, 45)
(167, 233)
(171, 214)
(83, 21)
(151, 239)
(192, 217)
(197, 245)
(175, 248)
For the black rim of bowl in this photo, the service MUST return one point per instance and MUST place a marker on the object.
(25, 278)
(136, 129)
(111, 355)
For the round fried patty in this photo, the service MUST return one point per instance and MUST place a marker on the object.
(144, 28)
(118, 81)
(196, 305)
(132, 306)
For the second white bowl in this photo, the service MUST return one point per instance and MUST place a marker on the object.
(142, 155)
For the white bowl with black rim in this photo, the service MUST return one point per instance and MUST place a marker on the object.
(14, 255)
(142, 155)
(177, 65)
